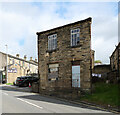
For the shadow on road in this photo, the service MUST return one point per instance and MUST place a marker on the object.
(56, 101)
(51, 99)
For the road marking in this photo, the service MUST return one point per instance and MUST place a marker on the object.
(4, 93)
(30, 103)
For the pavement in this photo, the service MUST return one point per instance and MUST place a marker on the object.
(23, 89)
(22, 100)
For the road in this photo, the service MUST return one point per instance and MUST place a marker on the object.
(18, 101)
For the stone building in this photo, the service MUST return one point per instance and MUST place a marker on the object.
(65, 57)
(115, 63)
(3, 58)
(16, 66)
(101, 69)
(100, 73)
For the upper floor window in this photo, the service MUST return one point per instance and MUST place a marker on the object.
(75, 37)
(52, 42)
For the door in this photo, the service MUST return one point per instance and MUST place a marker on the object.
(76, 76)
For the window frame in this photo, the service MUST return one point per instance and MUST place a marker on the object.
(52, 42)
(55, 70)
(75, 36)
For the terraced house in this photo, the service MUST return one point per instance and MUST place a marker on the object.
(65, 57)
(16, 67)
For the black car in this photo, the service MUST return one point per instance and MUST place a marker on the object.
(19, 80)
(28, 80)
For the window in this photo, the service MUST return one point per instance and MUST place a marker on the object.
(53, 72)
(75, 37)
(52, 42)
(23, 63)
(13, 61)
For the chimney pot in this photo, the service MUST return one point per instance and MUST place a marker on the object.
(25, 57)
(35, 59)
(17, 55)
(30, 58)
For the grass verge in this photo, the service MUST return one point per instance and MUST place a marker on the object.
(9, 83)
(104, 94)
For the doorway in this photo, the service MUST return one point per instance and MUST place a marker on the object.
(76, 76)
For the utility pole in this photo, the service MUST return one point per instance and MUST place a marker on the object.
(7, 62)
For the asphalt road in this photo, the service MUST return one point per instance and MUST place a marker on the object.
(18, 101)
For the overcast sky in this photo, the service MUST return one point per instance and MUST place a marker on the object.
(19, 22)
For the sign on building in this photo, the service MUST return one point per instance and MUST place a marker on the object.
(12, 70)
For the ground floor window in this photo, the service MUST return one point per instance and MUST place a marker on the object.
(75, 74)
(53, 72)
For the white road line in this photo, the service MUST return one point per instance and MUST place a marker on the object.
(30, 103)
(4, 93)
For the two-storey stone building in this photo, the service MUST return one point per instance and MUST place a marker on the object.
(65, 57)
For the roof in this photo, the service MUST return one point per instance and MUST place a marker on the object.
(81, 21)
(102, 65)
(115, 49)
(34, 63)
(22, 59)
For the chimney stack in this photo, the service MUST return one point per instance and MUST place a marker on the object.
(31, 59)
(25, 57)
(36, 59)
(17, 55)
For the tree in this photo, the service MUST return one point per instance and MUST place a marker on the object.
(98, 61)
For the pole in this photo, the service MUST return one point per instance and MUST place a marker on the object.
(7, 62)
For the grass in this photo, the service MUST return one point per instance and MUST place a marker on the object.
(104, 94)
(9, 83)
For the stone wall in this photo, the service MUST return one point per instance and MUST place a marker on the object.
(35, 87)
(100, 73)
(101, 69)
(64, 55)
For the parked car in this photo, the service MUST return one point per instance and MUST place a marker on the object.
(26, 80)
(19, 80)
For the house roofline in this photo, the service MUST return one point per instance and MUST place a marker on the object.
(20, 59)
(115, 50)
(81, 21)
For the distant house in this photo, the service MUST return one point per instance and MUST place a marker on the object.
(65, 57)
(100, 73)
(16, 67)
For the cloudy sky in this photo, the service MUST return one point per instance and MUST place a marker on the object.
(19, 22)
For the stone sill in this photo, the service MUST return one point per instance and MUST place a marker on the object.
(50, 51)
(74, 46)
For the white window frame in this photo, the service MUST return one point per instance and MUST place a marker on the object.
(75, 36)
(52, 42)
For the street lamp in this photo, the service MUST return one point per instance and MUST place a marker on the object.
(7, 62)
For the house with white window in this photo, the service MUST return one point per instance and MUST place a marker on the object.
(65, 57)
